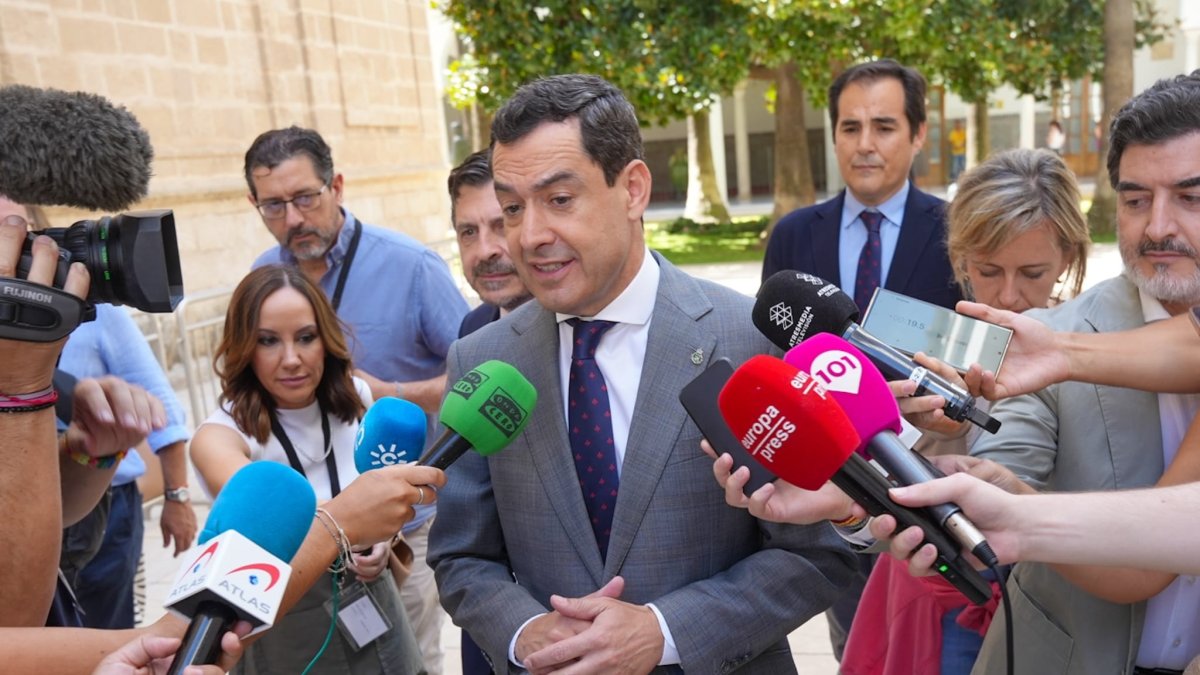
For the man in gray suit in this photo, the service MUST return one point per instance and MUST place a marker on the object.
(623, 557)
(1076, 436)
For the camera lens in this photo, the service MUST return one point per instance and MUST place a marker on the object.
(133, 258)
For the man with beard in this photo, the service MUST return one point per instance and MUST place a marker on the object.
(1076, 436)
(397, 297)
(479, 226)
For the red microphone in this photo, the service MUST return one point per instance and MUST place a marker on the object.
(863, 394)
(789, 423)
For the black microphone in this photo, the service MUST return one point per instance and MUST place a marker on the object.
(484, 410)
(71, 148)
(792, 306)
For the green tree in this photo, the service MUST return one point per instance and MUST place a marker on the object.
(673, 60)
(1119, 41)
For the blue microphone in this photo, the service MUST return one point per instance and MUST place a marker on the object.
(392, 432)
(239, 567)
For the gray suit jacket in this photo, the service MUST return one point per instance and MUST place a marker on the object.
(1075, 436)
(512, 529)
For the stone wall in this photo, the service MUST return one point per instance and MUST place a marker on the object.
(206, 76)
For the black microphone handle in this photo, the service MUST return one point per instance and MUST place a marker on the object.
(445, 450)
(960, 405)
(907, 468)
(202, 642)
(865, 485)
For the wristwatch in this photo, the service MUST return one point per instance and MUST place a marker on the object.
(179, 494)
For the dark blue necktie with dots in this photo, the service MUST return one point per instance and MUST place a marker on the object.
(869, 261)
(589, 421)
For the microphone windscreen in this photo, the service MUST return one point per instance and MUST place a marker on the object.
(787, 421)
(269, 503)
(391, 432)
(791, 306)
(71, 148)
(853, 381)
(489, 406)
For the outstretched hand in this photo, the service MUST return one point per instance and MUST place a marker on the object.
(1033, 361)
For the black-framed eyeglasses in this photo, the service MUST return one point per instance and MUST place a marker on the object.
(274, 209)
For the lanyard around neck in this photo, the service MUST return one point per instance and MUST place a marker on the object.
(294, 459)
(346, 263)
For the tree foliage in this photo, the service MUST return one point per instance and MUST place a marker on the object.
(670, 59)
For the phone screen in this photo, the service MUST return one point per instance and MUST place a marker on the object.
(912, 326)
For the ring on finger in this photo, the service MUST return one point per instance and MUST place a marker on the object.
(420, 495)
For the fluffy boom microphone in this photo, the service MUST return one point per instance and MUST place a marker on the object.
(790, 424)
(71, 148)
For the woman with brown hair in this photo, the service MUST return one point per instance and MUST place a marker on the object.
(289, 396)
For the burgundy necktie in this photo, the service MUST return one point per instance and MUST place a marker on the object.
(589, 419)
(869, 261)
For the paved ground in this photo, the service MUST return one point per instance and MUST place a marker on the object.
(810, 643)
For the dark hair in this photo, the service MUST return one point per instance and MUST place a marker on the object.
(248, 400)
(909, 78)
(1170, 108)
(275, 147)
(475, 171)
(607, 122)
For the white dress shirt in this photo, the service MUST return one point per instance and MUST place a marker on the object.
(1171, 631)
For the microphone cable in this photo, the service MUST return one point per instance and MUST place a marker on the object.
(1008, 618)
(332, 624)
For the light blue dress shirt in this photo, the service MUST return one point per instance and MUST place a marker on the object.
(113, 345)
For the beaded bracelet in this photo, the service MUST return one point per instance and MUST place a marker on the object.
(19, 403)
(84, 459)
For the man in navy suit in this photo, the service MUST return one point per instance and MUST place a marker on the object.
(479, 227)
(877, 111)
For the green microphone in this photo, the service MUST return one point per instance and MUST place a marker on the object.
(485, 410)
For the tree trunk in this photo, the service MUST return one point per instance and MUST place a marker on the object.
(704, 201)
(1118, 88)
(983, 130)
(793, 167)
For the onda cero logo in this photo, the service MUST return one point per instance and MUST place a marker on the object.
(503, 411)
(468, 384)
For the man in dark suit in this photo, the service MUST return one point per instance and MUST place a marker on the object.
(479, 227)
(877, 112)
(599, 543)
(881, 230)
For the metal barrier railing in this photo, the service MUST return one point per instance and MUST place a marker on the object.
(186, 340)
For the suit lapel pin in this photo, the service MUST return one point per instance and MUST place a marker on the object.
(698, 356)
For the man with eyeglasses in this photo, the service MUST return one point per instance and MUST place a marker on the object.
(396, 295)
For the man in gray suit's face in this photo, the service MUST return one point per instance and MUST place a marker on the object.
(574, 233)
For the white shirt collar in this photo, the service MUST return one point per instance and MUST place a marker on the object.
(892, 209)
(635, 304)
(1152, 309)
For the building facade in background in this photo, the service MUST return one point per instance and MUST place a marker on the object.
(206, 76)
